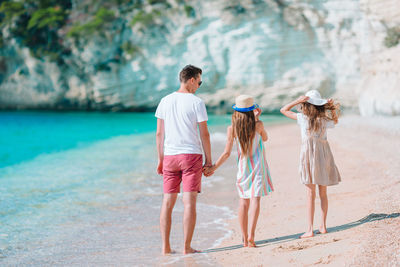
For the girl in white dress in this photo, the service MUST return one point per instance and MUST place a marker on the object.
(317, 166)
(253, 179)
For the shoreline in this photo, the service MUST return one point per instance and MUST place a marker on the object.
(362, 210)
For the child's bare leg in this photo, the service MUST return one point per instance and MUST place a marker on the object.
(243, 218)
(310, 188)
(324, 207)
(165, 221)
(254, 212)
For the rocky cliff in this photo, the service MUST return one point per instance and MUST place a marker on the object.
(272, 49)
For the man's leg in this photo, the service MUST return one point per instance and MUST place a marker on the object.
(165, 220)
(192, 165)
(189, 220)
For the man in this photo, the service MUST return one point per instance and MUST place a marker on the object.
(180, 152)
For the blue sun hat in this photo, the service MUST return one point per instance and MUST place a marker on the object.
(244, 103)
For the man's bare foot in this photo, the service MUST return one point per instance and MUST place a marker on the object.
(191, 250)
(322, 230)
(168, 251)
(307, 234)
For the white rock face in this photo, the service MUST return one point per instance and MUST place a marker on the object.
(380, 68)
(274, 52)
(30, 81)
(380, 86)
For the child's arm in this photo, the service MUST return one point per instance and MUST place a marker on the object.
(285, 110)
(260, 125)
(227, 152)
(261, 130)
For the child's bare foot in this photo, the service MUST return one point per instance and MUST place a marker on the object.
(244, 241)
(307, 234)
(190, 250)
(322, 230)
(252, 244)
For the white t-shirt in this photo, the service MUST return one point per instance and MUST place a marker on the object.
(181, 112)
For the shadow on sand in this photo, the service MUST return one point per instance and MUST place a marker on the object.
(370, 218)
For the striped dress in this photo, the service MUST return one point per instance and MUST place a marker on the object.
(253, 177)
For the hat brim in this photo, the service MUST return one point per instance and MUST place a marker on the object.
(253, 107)
(317, 101)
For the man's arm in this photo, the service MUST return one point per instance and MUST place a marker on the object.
(205, 141)
(160, 145)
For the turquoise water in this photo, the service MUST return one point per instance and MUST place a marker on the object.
(78, 187)
(24, 135)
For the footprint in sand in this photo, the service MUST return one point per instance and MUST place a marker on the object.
(302, 245)
(324, 260)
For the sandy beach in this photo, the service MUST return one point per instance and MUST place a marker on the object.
(364, 209)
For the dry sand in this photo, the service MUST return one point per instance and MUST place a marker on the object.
(364, 209)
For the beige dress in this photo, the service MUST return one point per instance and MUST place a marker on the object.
(317, 165)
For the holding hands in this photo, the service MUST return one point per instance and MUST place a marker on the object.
(209, 170)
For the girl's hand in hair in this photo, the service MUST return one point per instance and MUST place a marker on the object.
(302, 99)
(257, 113)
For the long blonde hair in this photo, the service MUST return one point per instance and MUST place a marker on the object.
(244, 129)
(329, 111)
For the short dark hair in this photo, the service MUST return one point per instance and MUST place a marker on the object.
(188, 72)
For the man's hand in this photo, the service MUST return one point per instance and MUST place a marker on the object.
(160, 167)
(208, 171)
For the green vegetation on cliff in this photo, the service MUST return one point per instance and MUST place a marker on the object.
(392, 37)
(49, 27)
(96, 24)
(35, 24)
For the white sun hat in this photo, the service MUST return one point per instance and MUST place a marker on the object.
(315, 98)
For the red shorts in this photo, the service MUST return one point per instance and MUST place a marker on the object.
(183, 167)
